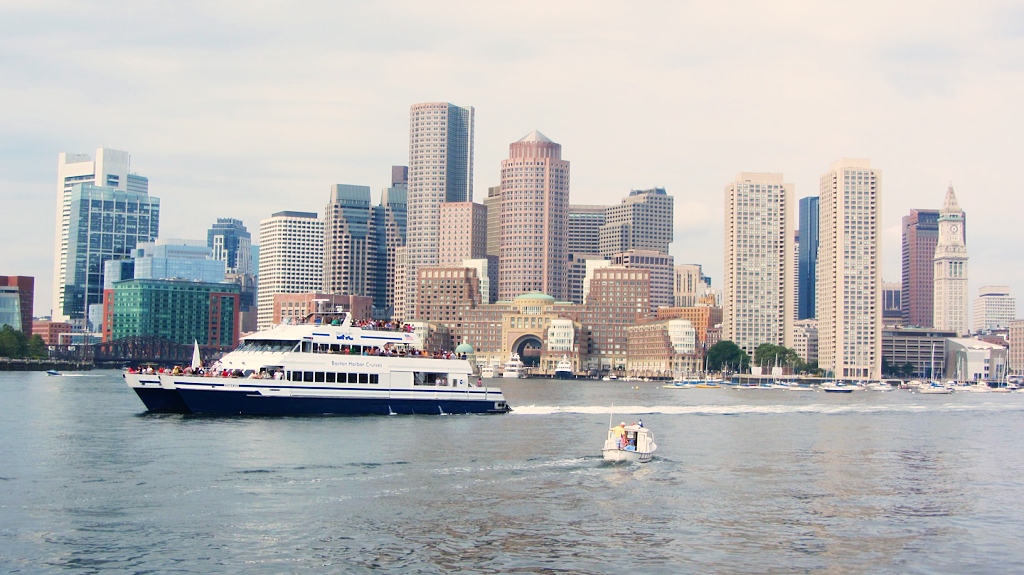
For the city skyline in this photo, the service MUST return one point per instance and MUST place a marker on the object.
(224, 126)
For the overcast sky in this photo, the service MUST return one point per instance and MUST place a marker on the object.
(241, 109)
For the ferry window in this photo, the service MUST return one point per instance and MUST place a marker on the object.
(363, 378)
(330, 377)
(307, 376)
(288, 376)
(306, 347)
(357, 349)
(374, 378)
(318, 377)
(335, 348)
(353, 377)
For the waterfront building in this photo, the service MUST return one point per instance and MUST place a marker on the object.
(50, 331)
(703, 317)
(534, 218)
(662, 268)
(642, 221)
(463, 232)
(757, 303)
(109, 169)
(618, 298)
(232, 244)
(10, 308)
(994, 308)
(920, 236)
(166, 259)
(493, 204)
(440, 170)
(921, 349)
(386, 236)
(689, 285)
(585, 229)
(807, 257)
(487, 272)
(970, 359)
(848, 275)
(576, 274)
(950, 265)
(293, 307)
(1015, 338)
(25, 288)
(892, 303)
(291, 259)
(346, 241)
(181, 311)
(104, 223)
(438, 291)
(663, 349)
(805, 339)
(247, 311)
(591, 268)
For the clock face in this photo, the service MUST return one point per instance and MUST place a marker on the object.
(954, 228)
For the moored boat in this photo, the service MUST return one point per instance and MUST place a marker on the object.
(837, 387)
(324, 365)
(632, 442)
(564, 369)
(513, 367)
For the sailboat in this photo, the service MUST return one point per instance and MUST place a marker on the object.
(197, 361)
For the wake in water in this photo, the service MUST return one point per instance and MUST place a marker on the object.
(816, 408)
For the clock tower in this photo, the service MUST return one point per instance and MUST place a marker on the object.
(951, 268)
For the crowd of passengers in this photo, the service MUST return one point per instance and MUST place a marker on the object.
(386, 351)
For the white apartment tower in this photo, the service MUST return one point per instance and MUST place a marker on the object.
(848, 280)
(291, 259)
(758, 303)
(994, 308)
(950, 264)
(110, 169)
(440, 170)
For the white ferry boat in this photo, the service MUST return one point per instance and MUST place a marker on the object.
(488, 371)
(323, 365)
(513, 367)
(564, 368)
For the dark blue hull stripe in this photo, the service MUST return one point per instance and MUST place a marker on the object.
(247, 403)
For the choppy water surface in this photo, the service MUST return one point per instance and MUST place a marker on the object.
(744, 481)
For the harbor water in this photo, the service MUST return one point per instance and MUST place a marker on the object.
(744, 481)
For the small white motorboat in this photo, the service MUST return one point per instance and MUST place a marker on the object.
(629, 443)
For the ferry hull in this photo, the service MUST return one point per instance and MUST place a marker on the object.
(245, 402)
(563, 375)
(160, 400)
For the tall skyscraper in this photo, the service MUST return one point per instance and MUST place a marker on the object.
(662, 273)
(585, 228)
(950, 279)
(232, 244)
(757, 305)
(440, 170)
(534, 219)
(643, 221)
(388, 228)
(109, 169)
(346, 241)
(808, 258)
(994, 308)
(920, 236)
(689, 285)
(849, 282)
(493, 204)
(291, 259)
(463, 232)
(104, 224)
